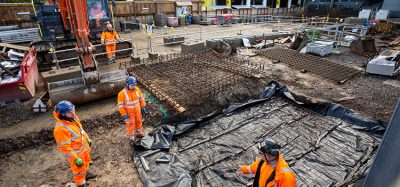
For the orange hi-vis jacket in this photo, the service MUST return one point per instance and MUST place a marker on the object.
(284, 176)
(130, 102)
(71, 139)
(109, 36)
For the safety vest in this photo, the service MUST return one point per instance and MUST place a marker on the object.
(109, 36)
(71, 139)
(284, 175)
(130, 101)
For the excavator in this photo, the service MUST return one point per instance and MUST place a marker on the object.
(56, 31)
(78, 24)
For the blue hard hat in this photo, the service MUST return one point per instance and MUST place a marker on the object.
(131, 80)
(64, 107)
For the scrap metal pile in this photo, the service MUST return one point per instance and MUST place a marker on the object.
(10, 63)
(183, 79)
(327, 69)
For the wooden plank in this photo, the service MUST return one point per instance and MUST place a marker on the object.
(395, 41)
(160, 94)
(12, 46)
(14, 4)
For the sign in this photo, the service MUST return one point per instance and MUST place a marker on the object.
(228, 3)
(183, 10)
(149, 28)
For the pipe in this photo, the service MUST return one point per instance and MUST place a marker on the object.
(144, 164)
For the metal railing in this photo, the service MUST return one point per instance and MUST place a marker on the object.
(201, 35)
(57, 61)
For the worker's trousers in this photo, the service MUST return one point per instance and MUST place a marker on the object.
(110, 49)
(79, 173)
(134, 122)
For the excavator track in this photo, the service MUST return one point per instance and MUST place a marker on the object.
(46, 59)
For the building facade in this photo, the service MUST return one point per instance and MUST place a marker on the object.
(237, 4)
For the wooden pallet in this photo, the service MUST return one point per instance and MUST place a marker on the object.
(395, 42)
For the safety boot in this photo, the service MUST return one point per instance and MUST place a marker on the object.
(110, 61)
(139, 134)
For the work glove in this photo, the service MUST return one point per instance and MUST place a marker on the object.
(144, 110)
(89, 142)
(78, 162)
(126, 118)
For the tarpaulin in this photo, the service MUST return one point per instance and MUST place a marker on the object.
(323, 151)
(328, 109)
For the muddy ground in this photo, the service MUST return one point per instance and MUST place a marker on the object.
(43, 164)
(28, 156)
(366, 94)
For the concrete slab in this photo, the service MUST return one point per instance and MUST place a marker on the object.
(236, 41)
(153, 55)
(192, 47)
(205, 22)
(135, 60)
(174, 40)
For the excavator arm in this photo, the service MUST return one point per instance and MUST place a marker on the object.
(75, 13)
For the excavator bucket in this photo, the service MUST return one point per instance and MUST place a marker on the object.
(364, 47)
(78, 91)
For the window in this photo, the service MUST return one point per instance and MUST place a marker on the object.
(257, 2)
(220, 2)
(97, 9)
(238, 2)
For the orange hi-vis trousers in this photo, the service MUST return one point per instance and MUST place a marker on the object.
(130, 103)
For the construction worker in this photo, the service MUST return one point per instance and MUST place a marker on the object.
(271, 170)
(72, 140)
(108, 38)
(131, 105)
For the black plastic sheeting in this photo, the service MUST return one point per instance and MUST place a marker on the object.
(328, 109)
(323, 151)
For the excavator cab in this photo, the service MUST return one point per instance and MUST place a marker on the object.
(99, 14)
(54, 24)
